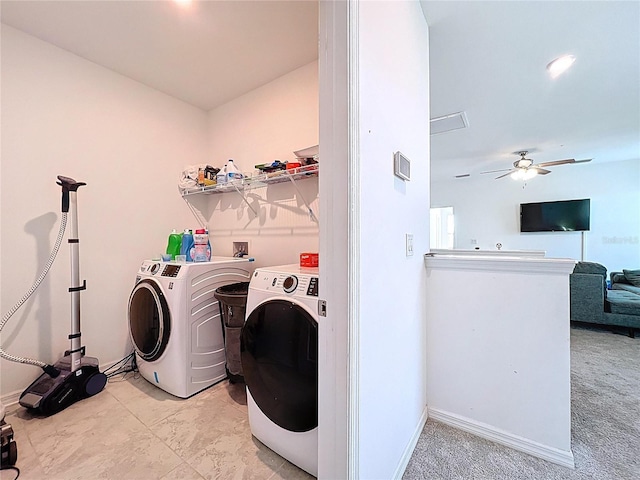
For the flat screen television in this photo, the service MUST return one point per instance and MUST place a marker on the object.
(560, 216)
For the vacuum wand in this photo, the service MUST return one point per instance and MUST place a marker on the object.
(69, 200)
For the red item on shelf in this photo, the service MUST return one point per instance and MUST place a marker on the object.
(292, 165)
(308, 259)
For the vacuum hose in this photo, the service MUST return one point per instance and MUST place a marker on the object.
(7, 356)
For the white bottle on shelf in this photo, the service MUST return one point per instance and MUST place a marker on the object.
(221, 176)
(232, 172)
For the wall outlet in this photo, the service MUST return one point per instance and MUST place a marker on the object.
(240, 249)
(409, 244)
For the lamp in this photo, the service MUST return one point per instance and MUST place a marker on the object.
(518, 174)
(524, 174)
(560, 65)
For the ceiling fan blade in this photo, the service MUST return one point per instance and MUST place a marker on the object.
(584, 161)
(508, 173)
(556, 162)
(496, 171)
(541, 171)
(463, 175)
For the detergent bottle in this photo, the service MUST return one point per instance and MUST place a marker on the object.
(187, 245)
(174, 244)
(201, 246)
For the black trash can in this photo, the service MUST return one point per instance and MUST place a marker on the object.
(233, 303)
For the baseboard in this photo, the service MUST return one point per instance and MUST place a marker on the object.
(551, 454)
(406, 456)
(10, 398)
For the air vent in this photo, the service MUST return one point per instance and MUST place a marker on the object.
(448, 123)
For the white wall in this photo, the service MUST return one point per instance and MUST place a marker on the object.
(488, 210)
(62, 115)
(393, 70)
(267, 124)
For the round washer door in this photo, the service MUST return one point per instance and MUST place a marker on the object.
(280, 363)
(149, 320)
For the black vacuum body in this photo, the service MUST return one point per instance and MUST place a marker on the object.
(48, 395)
(8, 447)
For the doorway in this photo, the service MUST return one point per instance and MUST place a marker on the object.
(441, 227)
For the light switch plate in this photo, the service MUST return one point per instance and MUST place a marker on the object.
(409, 244)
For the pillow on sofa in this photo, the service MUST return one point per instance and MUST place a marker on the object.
(632, 276)
(618, 277)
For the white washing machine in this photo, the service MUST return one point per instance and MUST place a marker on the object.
(175, 325)
(280, 362)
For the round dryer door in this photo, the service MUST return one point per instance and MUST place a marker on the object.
(280, 363)
(149, 320)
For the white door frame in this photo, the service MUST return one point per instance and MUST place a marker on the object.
(338, 366)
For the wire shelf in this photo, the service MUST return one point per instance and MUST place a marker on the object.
(258, 181)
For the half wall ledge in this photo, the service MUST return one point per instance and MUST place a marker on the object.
(498, 349)
(506, 261)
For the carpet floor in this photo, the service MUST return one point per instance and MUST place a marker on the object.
(605, 425)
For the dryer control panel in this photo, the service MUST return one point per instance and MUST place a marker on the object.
(294, 284)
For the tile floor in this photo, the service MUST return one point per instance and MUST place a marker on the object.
(134, 430)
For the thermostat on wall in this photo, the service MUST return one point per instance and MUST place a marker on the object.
(401, 166)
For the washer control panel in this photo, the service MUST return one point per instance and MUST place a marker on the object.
(312, 290)
(297, 284)
(170, 270)
(152, 267)
(290, 284)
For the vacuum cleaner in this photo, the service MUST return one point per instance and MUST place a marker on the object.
(8, 448)
(75, 376)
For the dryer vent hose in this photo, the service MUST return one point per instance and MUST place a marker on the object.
(9, 314)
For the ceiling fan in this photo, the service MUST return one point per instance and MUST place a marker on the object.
(525, 169)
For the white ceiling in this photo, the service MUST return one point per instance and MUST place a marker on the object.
(487, 59)
(205, 53)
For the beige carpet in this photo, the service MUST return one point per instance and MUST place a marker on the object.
(605, 411)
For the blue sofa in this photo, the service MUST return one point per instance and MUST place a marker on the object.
(591, 302)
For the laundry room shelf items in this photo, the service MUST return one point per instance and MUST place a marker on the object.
(258, 181)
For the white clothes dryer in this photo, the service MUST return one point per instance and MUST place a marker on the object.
(175, 324)
(280, 362)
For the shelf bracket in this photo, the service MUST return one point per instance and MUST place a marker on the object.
(196, 213)
(245, 199)
(311, 214)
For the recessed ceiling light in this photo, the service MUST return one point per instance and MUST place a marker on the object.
(560, 65)
(183, 2)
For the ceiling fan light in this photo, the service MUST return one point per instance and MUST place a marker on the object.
(524, 163)
(529, 174)
(517, 175)
(560, 65)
